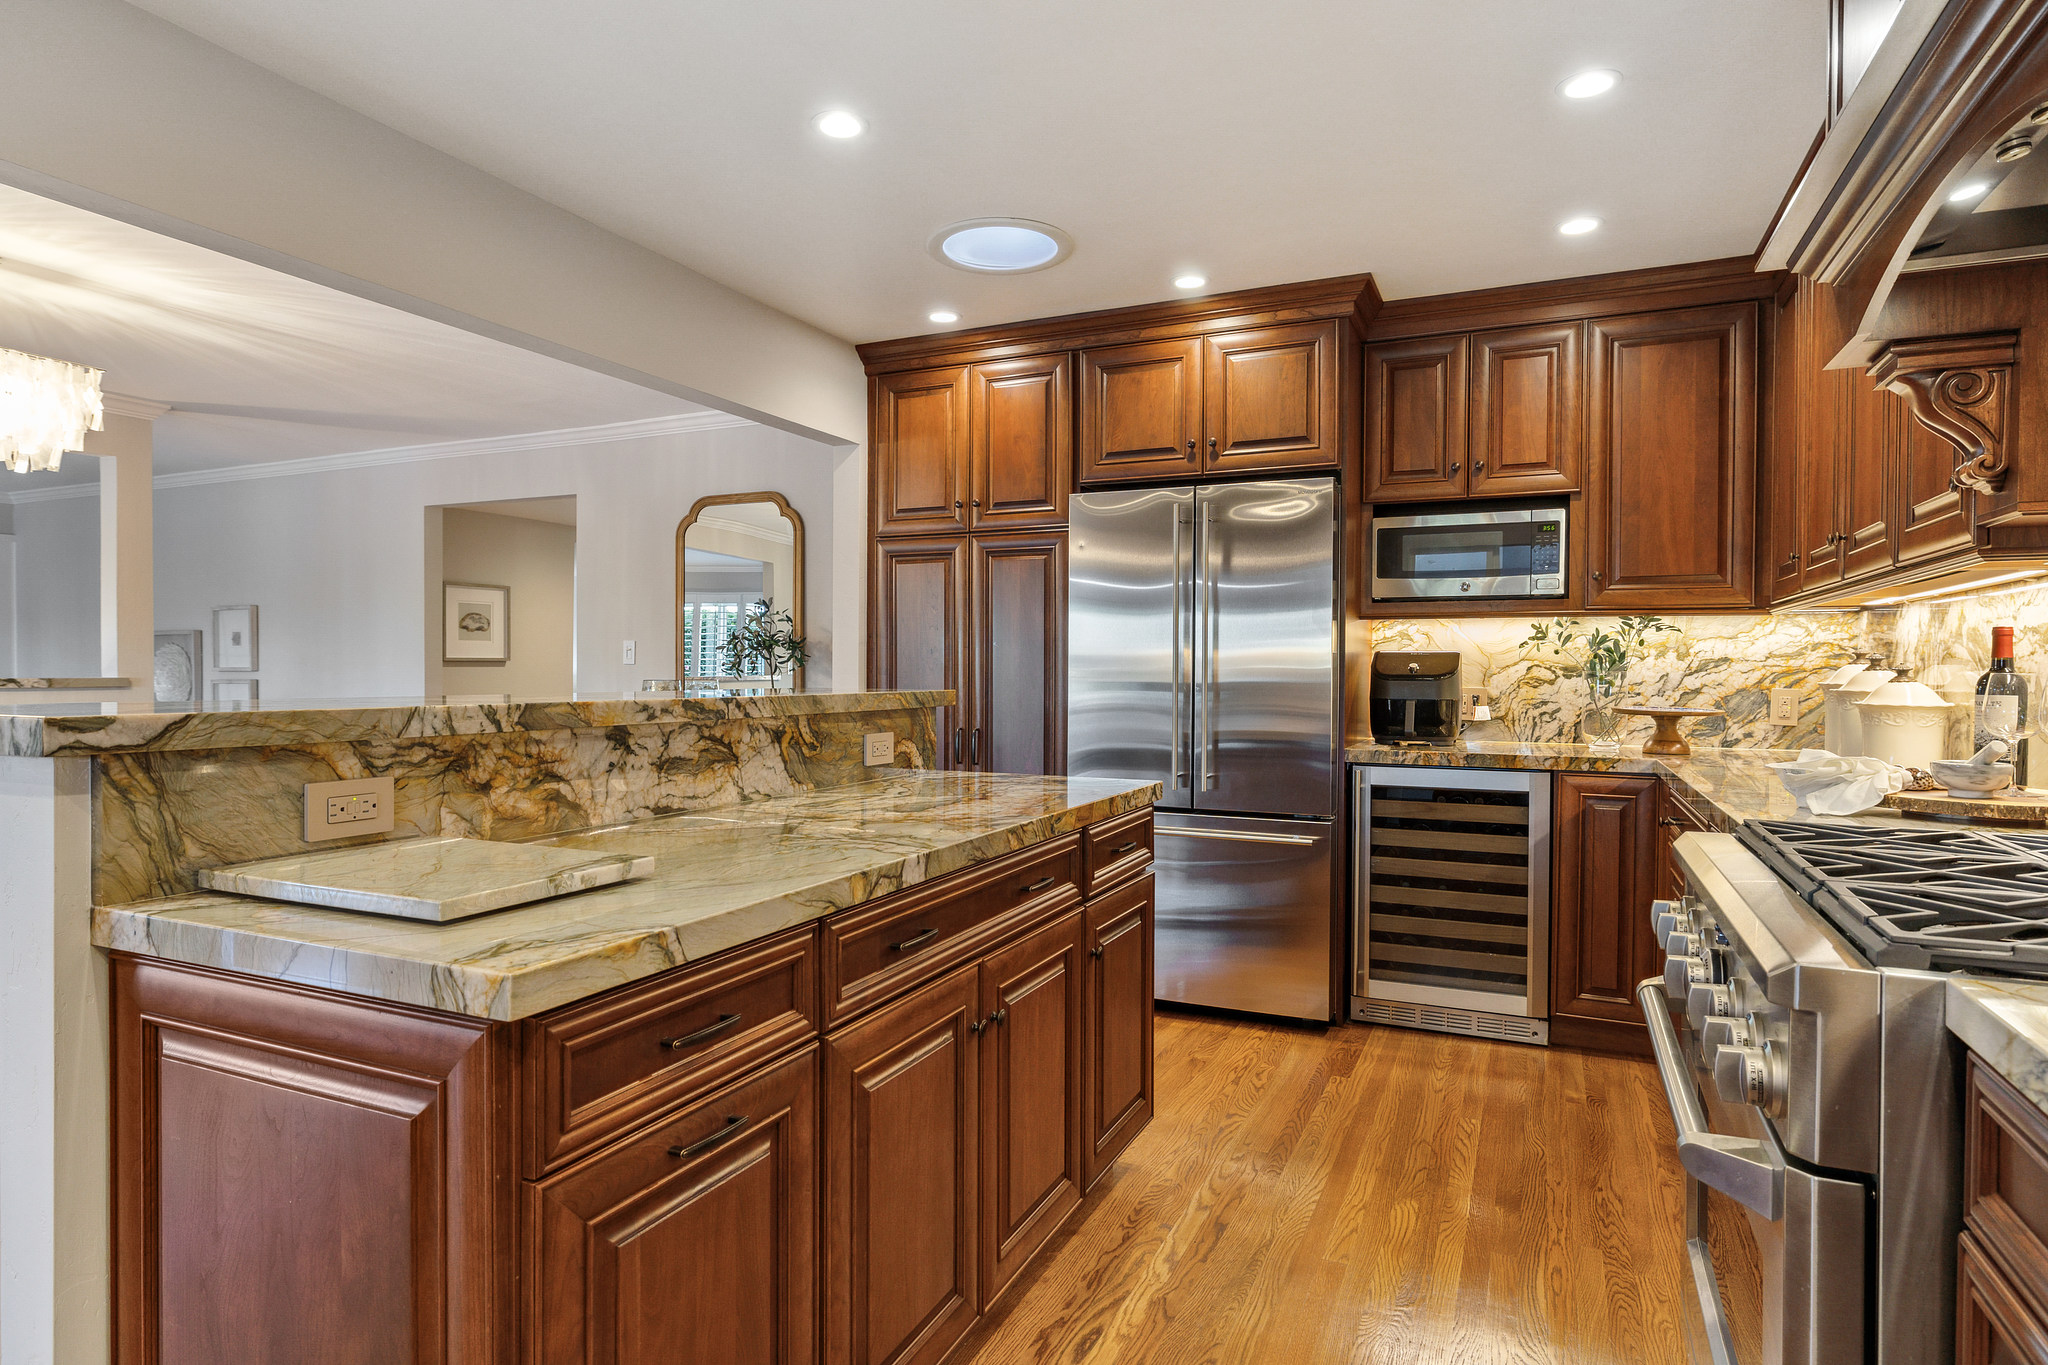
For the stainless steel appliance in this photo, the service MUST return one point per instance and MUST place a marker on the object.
(1202, 654)
(1800, 1034)
(1414, 698)
(1451, 900)
(1470, 552)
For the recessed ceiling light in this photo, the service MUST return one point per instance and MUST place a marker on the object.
(840, 123)
(1572, 227)
(944, 315)
(1189, 281)
(1001, 246)
(1968, 192)
(1587, 84)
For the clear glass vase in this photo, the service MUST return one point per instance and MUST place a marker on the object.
(1599, 726)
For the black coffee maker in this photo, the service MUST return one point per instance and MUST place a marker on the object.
(1415, 698)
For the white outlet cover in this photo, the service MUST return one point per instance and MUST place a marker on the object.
(879, 749)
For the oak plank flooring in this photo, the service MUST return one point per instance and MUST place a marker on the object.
(1364, 1195)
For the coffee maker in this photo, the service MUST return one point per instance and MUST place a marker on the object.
(1415, 698)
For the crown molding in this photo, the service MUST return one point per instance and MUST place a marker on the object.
(128, 405)
(639, 429)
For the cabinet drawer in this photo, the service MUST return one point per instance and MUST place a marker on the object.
(2005, 1177)
(604, 1065)
(882, 950)
(1116, 849)
(1994, 1326)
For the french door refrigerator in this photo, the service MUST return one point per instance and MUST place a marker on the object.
(1203, 653)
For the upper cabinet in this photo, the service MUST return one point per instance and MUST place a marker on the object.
(967, 447)
(919, 424)
(1672, 451)
(1141, 411)
(1489, 414)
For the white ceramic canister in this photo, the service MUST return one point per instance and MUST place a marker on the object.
(1905, 723)
(1835, 712)
(1845, 722)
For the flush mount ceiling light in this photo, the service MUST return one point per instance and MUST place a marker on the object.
(1969, 192)
(839, 123)
(1001, 246)
(943, 315)
(1573, 227)
(1587, 84)
(1189, 281)
(46, 407)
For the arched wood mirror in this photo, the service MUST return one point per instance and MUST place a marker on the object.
(734, 551)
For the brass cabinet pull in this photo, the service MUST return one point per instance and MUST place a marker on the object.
(1096, 951)
(914, 940)
(733, 1124)
(977, 1026)
(1191, 445)
(999, 1016)
(1455, 464)
(1039, 885)
(1124, 847)
(1478, 467)
(725, 1021)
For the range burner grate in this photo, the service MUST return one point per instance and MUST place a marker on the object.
(1940, 899)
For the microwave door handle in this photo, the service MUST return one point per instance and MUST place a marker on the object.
(1741, 1168)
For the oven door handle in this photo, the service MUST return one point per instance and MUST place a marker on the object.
(1742, 1168)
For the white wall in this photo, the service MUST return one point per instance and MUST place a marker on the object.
(7, 592)
(336, 559)
(536, 561)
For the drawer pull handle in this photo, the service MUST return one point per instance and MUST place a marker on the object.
(914, 940)
(733, 1124)
(725, 1021)
(1125, 847)
(1671, 822)
(1039, 885)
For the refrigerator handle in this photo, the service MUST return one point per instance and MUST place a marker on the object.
(1179, 777)
(1205, 654)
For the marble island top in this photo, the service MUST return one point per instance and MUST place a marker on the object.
(51, 730)
(2005, 1021)
(721, 877)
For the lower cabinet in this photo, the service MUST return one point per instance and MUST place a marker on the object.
(1606, 862)
(2002, 1253)
(1116, 1056)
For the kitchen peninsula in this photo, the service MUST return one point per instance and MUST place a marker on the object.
(870, 1028)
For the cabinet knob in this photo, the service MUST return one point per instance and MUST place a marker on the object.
(1191, 445)
(1096, 951)
(999, 1016)
(1454, 466)
(1478, 467)
(956, 504)
(1597, 575)
(974, 502)
(1212, 445)
(977, 1026)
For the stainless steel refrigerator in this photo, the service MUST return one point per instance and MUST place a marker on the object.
(1203, 653)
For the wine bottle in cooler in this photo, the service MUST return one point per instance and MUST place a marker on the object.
(2001, 710)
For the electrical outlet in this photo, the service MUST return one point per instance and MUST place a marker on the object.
(343, 810)
(879, 749)
(629, 652)
(1784, 706)
(1472, 704)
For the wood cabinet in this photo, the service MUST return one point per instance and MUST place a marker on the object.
(1675, 817)
(1116, 1072)
(1415, 403)
(1015, 707)
(917, 639)
(1020, 439)
(2002, 1254)
(1140, 411)
(920, 445)
(1671, 437)
(1605, 871)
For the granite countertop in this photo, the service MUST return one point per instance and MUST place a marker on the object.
(61, 684)
(2006, 1023)
(51, 730)
(721, 877)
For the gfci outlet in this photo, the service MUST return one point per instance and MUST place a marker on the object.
(1784, 706)
(879, 749)
(356, 806)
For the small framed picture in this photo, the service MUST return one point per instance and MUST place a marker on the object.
(234, 639)
(180, 666)
(234, 689)
(476, 623)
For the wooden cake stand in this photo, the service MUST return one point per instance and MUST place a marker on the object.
(1667, 741)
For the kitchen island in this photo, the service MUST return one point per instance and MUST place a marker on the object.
(822, 1080)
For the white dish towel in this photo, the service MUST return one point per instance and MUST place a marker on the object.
(1828, 785)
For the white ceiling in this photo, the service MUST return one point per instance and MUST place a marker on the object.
(1254, 143)
(260, 366)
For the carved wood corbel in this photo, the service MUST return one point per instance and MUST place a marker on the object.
(1959, 388)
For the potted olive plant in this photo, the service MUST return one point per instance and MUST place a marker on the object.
(1602, 657)
(766, 637)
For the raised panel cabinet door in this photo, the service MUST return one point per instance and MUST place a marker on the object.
(1022, 442)
(1271, 394)
(1526, 434)
(1672, 439)
(1416, 400)
(920, 459)
(1779, 482)
(1140, 411)
(693, 1240)
(1994, 1323)
(1606, 875)
(1869, 493)
(1018, 721)
(302, 1177)
(1030, 1096)
(1932, 518)
(1116, 1053)
(918, 597)
(902, 1167)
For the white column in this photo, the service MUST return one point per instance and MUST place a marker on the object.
(845, 612)
(54, 1274)
(127, 539)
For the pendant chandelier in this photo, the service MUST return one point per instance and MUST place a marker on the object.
(46, 407)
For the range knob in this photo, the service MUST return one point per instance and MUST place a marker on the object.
(1683, 975)
(1706, 999)
(1748, 1075)
(1684, 943)
(1720, 1030)
(1669, 917)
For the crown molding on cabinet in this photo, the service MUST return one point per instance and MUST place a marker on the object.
(1696, 283)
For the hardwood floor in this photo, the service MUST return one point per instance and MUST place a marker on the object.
(1366, 1195)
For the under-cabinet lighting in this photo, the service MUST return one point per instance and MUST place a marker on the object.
(1587, 84)
(1957, 593)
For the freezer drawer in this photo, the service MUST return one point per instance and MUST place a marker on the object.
(1245, 916)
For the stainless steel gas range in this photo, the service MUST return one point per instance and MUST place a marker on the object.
(1800, 1033)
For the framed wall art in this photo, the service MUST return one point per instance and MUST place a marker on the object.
(180, 671)
(234, 639)
(476, 623)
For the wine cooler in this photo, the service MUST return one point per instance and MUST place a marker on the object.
(1451, 900)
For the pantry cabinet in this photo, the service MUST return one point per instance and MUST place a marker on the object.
(1607, 866)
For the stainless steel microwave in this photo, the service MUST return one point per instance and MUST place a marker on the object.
(1481, 552)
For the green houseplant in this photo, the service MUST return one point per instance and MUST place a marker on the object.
(1601, 657)
(765, 637)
